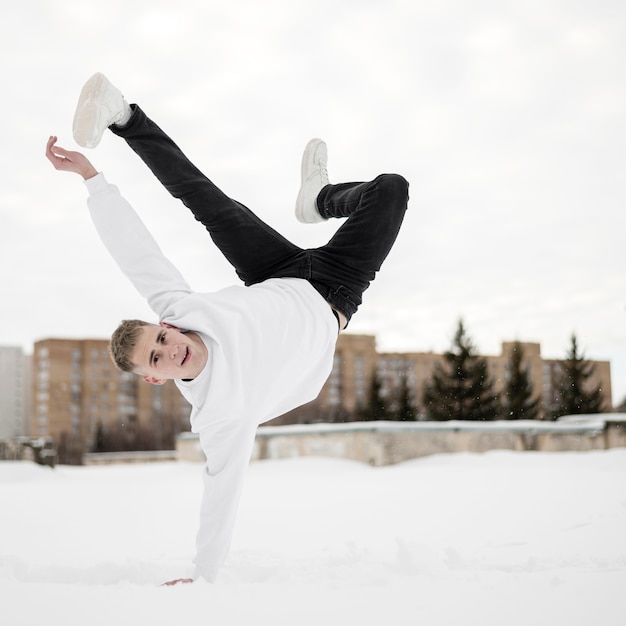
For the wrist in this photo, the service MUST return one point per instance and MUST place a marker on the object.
(88, 172)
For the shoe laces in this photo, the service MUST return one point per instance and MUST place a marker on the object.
(323, 172)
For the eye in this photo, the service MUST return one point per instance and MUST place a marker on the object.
(162, 338)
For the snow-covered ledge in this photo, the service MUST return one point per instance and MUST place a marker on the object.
(385, 443)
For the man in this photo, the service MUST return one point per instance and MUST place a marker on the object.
(245, 354)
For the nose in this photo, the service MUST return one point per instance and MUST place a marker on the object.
(173, 351)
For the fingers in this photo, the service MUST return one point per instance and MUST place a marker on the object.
(54, 156)
(68, 160)
(50, 155)
(51, 141)
(178, 581)
(59, 157)
(52, 148)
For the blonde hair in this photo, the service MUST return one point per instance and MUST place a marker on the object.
(123, 342)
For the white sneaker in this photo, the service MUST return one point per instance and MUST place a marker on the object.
(314, 178)
(100, 104)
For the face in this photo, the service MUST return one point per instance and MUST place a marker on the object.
(163, 353)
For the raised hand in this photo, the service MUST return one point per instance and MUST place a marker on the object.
(178, 581)
(69, 161)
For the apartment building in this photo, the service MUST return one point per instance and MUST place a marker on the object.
(357, 362)
(14, 405)
(78, 392)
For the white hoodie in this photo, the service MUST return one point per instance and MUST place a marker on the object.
(270, 349)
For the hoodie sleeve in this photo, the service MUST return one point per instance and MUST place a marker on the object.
(132, 246)
(228, 452)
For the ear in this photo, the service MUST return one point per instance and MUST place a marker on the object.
(166, 325)
(154, 381)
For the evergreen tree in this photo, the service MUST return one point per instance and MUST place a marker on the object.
(517, 402)
(99, 443)
(376, 408)
(573, 395)
(461, 388)
(405, 411)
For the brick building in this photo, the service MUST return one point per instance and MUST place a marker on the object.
(357, 362)
(77, 390)
(78, 393)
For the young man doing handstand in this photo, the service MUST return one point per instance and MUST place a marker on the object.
(248, 353)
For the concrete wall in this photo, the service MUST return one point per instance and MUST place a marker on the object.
(386, 443)
(113, 458)
(615, 434)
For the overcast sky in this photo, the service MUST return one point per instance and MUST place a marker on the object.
(507, 117)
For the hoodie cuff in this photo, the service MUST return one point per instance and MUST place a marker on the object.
(96, 183)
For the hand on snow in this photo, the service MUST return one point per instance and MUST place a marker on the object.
(171, 583)
(69, 161)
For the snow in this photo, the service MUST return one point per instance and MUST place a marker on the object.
(498, 538)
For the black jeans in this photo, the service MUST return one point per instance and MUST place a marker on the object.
(340, 271)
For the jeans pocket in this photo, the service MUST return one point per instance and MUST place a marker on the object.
(344, 293)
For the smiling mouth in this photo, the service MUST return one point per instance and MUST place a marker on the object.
(185, 357)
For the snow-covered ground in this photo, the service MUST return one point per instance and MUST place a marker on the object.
(502, 538)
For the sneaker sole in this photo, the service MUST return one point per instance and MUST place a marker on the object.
(85, 126)
(309, 151)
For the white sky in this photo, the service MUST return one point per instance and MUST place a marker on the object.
(507, 118)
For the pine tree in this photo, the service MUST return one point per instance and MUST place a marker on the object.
(99, 443)
(517, 402)
(405, 411)
(573, 395)
(461, 388)
(376, 408)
